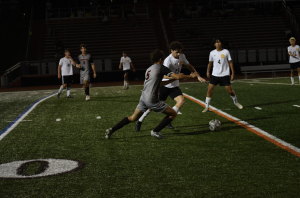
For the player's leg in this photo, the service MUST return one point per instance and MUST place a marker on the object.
(69, 81)
(125, 80)
(171, 115)
(210, 91)
(62, 87)
(298, 70)
(135, 116)
(233, 96)
(177, 96)
(86, 89)
(141, 119)
(292, 76)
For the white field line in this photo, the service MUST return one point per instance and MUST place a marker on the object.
(20, 119)
(258, 108)
(296, 105)
(282, 144)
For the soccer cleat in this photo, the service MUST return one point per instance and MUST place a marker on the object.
(87, 98)
(205, 110)
(238, 105)
(108, 133)
(138, 126)
(170, 126)
(69, 96)
(124, 87)
(157, 135)
(58, 94)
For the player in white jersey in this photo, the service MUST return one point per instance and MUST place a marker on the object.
(149, 98)
(65, 72)
(86, 63)
(126, 62)
(294, 58)
(220, 59)
(174, 62)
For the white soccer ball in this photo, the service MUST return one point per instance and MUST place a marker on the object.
(214, 125)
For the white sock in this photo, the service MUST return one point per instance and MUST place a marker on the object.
(234, 99)
(61, 89)
(207, 101)
(299, 79)
(292, 79)
(176, 109)
(124, 83)
(144, 115)
(68, 91)
(127, 83)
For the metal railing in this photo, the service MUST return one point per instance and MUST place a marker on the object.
(290, 16)
(164, 29)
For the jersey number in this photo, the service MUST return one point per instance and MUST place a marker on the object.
(148, 75)
(219, 61)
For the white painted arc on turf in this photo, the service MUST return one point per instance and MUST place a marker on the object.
(296, 105)
(258, 108)
(22, 117)
(296, 149)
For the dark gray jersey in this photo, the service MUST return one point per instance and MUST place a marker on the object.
(153, 77)
(85, 63)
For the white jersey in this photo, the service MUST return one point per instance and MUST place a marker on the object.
(221, 65)
(126, 62)
(295, 51)
(66, 66)
(175, 66)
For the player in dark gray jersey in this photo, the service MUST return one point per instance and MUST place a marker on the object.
(85, 61)
(149, 98)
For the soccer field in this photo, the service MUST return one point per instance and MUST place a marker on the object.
(64, 154)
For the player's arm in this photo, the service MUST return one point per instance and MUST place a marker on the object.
(78, 63)
(232, 70)
(132, 66)
(94, 70)
(193, 70)
(120, 66)
(210, 63)
(73, 62)
(290, 53)
(59, 69)
(174, 76)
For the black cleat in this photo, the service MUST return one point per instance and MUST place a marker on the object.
(58, 94)
(170, 126)
(138, 126)
(70, 96)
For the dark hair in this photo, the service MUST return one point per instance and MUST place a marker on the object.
(156, 55)
(214, 40)
(176, 45)
(67, 50)
(124, 53)
(82, 45)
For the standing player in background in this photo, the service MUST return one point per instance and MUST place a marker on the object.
(65, 72)
(149, 98)
(84, 62)
(294, 58)
(220, 58)
(174, 62)
(126, 62)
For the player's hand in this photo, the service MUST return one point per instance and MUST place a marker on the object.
(208, 75)
(232, 77)
(193, 75)
(59, 76)
(201, 79)
(95, 75)
(78, 66)
(134, 70)
(120, 67)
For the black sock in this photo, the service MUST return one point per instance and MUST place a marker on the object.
(87, 91)
(123, 122)
(163, 124)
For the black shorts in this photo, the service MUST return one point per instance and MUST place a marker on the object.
(172, 92)
(126, 71)
(295, 65)
(223, 81)
(66, 80)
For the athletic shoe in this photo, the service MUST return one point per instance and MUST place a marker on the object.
(58, 94)
(205, 110)
(170, 126)
(87, 98)
(157, 135)
(108, 133)
(239, 105)
(138, 126)
(69, 96)
(293, 84)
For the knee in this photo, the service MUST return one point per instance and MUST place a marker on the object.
(173, 116)
(86, 84)
(181, 102)
(132, 118)
(64, 86)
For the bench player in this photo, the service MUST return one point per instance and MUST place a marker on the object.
(220, 59)
(85, 61)
(126, 62)
(149, 98)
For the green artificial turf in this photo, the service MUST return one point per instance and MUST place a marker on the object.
(191, 162)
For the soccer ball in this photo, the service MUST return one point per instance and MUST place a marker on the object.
(214, 125)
